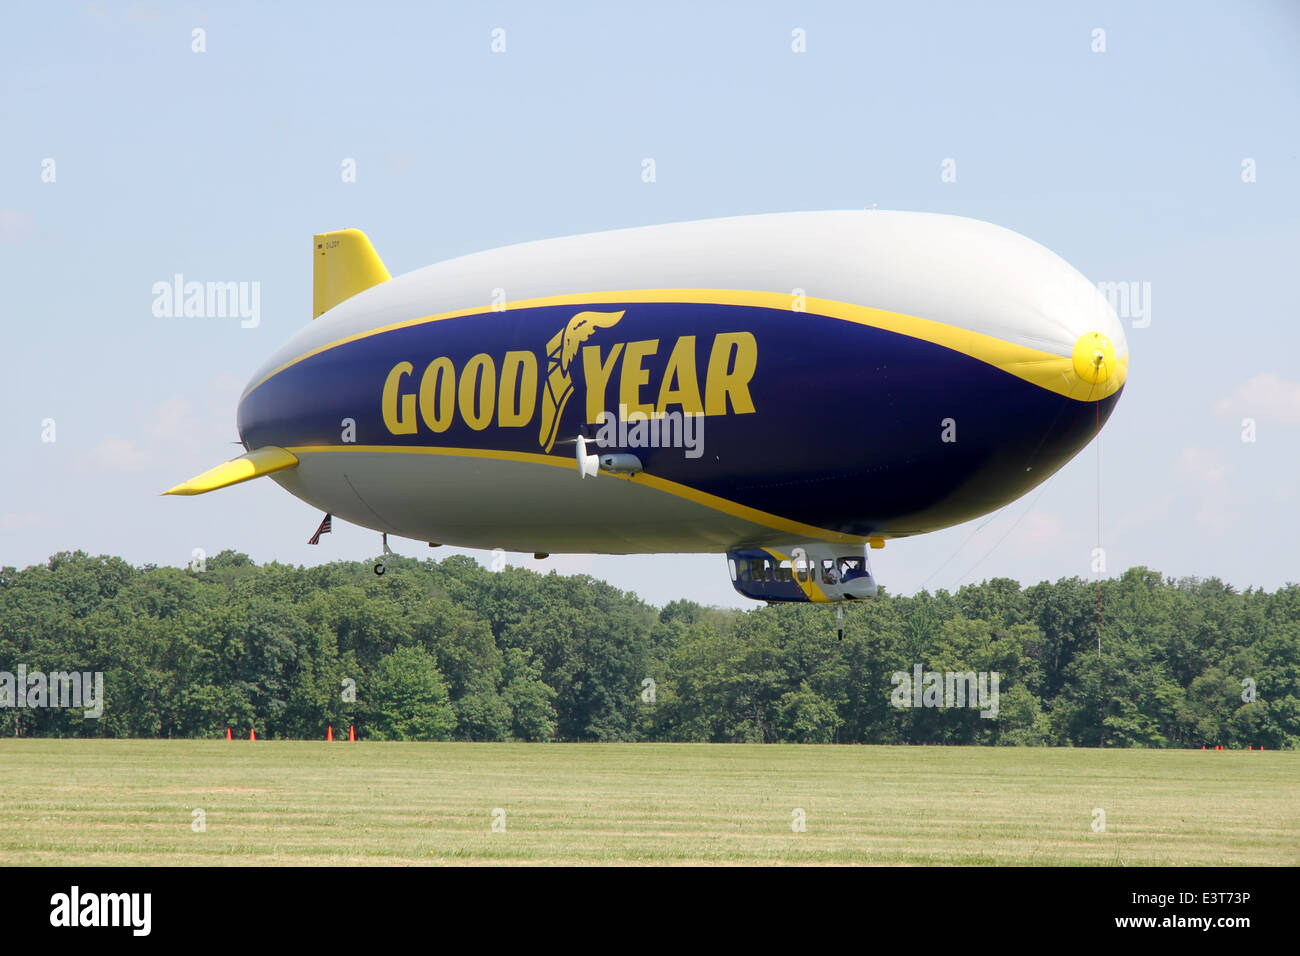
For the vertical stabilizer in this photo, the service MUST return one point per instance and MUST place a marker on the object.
(344, 263)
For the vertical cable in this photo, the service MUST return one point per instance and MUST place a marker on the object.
(1098, 441)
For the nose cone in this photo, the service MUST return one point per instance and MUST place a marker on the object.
(1027, 305)
(1074, 320)
(1094, 358)
(1045, 360)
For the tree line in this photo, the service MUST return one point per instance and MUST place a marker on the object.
(448, 650)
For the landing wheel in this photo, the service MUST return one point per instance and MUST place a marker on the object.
(839, 621)
(382, 565)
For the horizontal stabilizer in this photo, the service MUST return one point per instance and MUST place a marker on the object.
(254, 464)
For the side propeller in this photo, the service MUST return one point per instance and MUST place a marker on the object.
(587, 464)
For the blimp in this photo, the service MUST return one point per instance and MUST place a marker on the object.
(789, 390)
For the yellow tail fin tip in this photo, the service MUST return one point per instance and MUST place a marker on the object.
(343, 264)
(254, 464)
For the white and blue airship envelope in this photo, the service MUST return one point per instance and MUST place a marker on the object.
(787, 388)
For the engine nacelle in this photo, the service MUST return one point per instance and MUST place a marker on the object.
(818, 572)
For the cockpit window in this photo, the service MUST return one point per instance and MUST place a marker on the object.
(852, 567)
(829, 573)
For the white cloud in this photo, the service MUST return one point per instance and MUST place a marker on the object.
(23, 521)
(1204, 473)
(1200, 466)
(179, 422)
(1040, 527)
(16, 226)
(399, 163)
(141, 13)
(135, 13)
(118, 454)
(1038, 534)
(1266, 397)
(226, 387)
(172, 423)
(1152, 508)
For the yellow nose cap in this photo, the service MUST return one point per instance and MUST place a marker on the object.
(1094, 358)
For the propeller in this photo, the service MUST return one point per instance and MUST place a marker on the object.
(587, 464)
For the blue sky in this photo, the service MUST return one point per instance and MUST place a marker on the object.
(220, 165)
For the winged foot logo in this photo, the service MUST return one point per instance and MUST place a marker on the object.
(559, 353)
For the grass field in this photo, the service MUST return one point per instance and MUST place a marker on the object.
(80, 802)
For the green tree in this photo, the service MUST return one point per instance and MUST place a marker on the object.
(409, 698)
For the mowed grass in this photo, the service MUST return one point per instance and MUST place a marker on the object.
(130, 802)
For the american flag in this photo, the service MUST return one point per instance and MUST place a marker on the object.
(324, 528)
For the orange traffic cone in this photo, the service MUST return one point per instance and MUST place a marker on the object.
(352, 732)
(252, 734)
(329, 732)
(228, 735)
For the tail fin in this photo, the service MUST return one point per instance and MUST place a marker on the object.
(344, 263)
